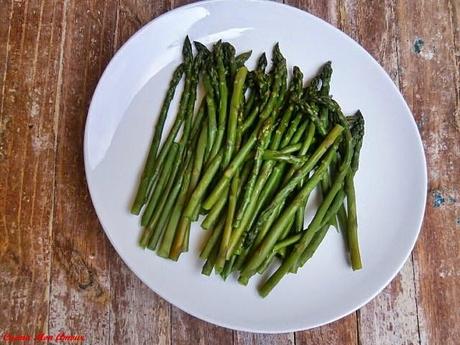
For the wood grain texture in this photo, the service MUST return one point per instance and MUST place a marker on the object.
(29, 74)
(186, 329)
(326, 10)
(343, 331)
(245, 338)
(57, 270)
(80, 285)
(430, 83)
(137, 314)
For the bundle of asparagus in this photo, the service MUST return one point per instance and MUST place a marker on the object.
(248, 158)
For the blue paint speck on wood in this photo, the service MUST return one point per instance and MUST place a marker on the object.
(418, 45)
(438, 199)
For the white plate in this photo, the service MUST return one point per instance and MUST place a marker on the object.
(391, 183)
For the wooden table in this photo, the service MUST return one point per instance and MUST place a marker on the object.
(58, 272)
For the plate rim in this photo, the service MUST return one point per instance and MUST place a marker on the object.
(424, 173)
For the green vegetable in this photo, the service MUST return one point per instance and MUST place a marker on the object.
(151, 158)
(146, 188)
(235, 105)
(162, 181)
(315, 224)
(271, 237)
(223, 98)
(304, 170)
(248, 157)
(357, 131)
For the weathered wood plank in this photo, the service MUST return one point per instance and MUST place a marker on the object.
(29, 55)
(245, 338)
(138, 315)
(80, 276)
(6, 8)
(133, 14)
(343, 331)
(186, 330)
(372, 24)
(326, 10)
(391, 317)
(429, 73)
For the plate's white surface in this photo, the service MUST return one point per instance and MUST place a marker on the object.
(391, 183)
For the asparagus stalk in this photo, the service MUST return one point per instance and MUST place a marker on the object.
(277, 249)
(222, 256)
(280, 64)
(241, 59)
(235, 105)
(228, 268)
(299, 133)
(152, 155)
(192, 204)
(318, 238)
(199, 158)
(164, 206)
(212, 240)
(250, 119)
(230, 171)
(229, 53)
(299, 218)
(209, 265)
(169, 234)
(216, 210)
(311, 110)
(198, 120)
(223, 99)
(165, 149)
(162, 181)
(262, 144)
(211, 108)
(357, 131)
(291, 130)
(164, 214)
(326, 74)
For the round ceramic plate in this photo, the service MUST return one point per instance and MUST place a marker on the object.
(391, 183)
